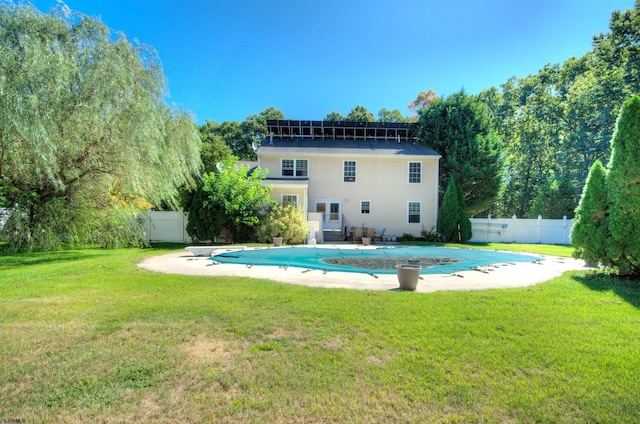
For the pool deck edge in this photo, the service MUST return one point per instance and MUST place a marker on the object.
(520, 274)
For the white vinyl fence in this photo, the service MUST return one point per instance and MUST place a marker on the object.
(4, 216)
(165, 226)
(171, 227)
(516, 230)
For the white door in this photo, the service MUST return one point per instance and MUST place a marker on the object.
(331, 211)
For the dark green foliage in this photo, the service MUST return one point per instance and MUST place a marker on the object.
(555, 200)
(230, 199)
(453, 222)
(239, 136)
(623, 189)
(558, 122)
(465, 222)
(460, 129)
(589, 233)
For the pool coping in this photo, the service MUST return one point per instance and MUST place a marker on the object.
(521, 274)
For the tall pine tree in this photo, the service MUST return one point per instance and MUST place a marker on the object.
(453, 222)
(590, 228)
(623, 189)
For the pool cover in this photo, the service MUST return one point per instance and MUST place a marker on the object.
(381, 260)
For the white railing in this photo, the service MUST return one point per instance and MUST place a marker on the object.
(517, 230)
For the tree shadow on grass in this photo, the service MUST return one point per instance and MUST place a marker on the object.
(32, 259)
(627, 288)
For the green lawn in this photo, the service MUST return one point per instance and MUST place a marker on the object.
(85, 336)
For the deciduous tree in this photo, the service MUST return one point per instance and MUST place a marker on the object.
(231, 198)
(360, 114)
(386, 115)
(334, 116)
(83, 109)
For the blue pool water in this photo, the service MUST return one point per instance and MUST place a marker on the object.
(382, 260)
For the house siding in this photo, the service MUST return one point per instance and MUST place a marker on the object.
(382, 180)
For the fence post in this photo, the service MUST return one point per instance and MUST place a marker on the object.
(513, 228)
(565, 238)
(488, 227)
(539, 229)
(148, 225)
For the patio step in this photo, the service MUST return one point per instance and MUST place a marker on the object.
(332, 235)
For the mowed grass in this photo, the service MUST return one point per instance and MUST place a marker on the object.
(85, 336)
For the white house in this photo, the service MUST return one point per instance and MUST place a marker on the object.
(353, 174)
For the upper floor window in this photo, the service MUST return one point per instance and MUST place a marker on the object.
(349, 171)
(414, 212)
(295, 168)
(415, 172)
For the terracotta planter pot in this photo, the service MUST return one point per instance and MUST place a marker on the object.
(277, 241)
(408, 276)
(366, 241)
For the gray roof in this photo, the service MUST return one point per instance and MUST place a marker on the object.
(343, 147)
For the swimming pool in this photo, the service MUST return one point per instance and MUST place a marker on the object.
(377, 260)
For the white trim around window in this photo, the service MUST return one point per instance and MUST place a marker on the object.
(349, 171)
(414, 212)
(289, 199)
(414, 170)
(365, 206)
(294, 167)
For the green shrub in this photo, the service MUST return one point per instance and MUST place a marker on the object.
(590, 232)
(623, 192)
(284, 221)
(407, 237)
(453, 222)
(430, 235)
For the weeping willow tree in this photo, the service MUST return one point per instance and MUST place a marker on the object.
(86, 136)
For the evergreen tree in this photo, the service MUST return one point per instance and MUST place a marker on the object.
(590, 232)
(453, 222)
(623, 189)
(461, 130)
(555, 199)
(465, 222)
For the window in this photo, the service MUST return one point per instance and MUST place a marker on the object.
(365, 206)
(349, 173)
(415, 172)
(287, 167)
(414, 212)
(302, 168)
(290, 199)
(295, 167)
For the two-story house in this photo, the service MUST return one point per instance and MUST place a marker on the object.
(353, 174)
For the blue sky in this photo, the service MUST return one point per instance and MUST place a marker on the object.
(225, 60)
